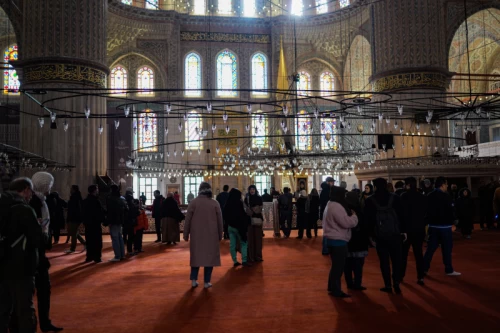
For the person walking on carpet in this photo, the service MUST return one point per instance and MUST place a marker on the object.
(171, 217)
(116, 210)
(156, 214)
(204, 226)
(74, 218)
(237, 221)
(93, 218)
(253, 207)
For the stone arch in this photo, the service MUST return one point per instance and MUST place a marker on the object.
(358, 65)
(12, 11)
(137, 60)
(315, 66)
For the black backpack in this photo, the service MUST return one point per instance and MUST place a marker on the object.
(387, 226)
(6, 243)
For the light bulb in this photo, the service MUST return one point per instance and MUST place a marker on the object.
(400, 110)
(227, 129)
(247, 128)
(224, 117)
(209, 107)
(185, 116)
(249, 108)
(380, 117)
(285, 110)
(41, 122)
(430, 113)
(100, 129)
(214, 127)
(117, 124)
(168, 108)
(65, 125)
(180, 126)
(53, 117)
(360, 109)
(87, 112)
(126, 110)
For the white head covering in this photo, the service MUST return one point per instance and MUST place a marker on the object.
(42, 182)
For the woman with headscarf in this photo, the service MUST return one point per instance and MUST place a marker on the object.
(367, 192)
(465, 212)
(237, 221)
(254, 203)
(300, 205)
(204, 225)
(312, 210)
(338, 219)
(171, 217)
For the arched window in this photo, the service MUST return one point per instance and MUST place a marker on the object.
(344, 3)
(151, 4)
(10, 79)
(225, 7)
(328, 134)
(326, 83)
(200, 7)
(259, 74)
(145, 80)
(193, 130)
(147, 132)
(118, 80)
(259, 131)
(303, 139)
(297, 6)
(304, 83)
(192, 75)
(249, 8)
(321, 6)
(127, 2)
(227, 74)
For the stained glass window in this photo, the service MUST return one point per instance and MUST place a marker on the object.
(304, 83)
(225, 6)
(118, 80)
(321, 6)
(249, 8)
(193, 131)
(259, 73)
(259, 131)
(344, 3)
(200, 6)
(193, 74)
(326, 83)
(127, 2)
(10, 79)
(303, 139)
(148, 132)
(328, 131)
(151, 4)
(297, 7)
(227, 74)
(145, 80)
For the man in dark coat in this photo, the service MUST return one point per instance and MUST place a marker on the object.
(221, 199)
(131, 221)
(116, 209)
(441, 217)
(17, 271)
(57, 221)
(324, 197)
(285, 210)
(400, 188)
(388, 245)
(93, 217)
(414, 211)
(266, 197)
(156, 214)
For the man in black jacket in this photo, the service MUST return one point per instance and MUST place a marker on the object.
(414, 211)
(93, 217)
(116, 209)
(221, 199)
(18, 267)
(266, 197)
(156, 214)
(441, 217)
(285, 209)
(387, 237)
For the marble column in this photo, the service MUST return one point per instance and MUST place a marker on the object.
(63, 45)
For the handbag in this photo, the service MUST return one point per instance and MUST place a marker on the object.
(257, 221)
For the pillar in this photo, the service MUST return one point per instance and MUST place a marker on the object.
(63, 45)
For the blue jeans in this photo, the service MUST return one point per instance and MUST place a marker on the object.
(324, 250)
(234, 237)
(207, 273)
(444, 237)
(115, 230)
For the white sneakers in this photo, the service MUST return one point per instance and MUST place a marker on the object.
(208, 285)
(194, 284)
(454, 274)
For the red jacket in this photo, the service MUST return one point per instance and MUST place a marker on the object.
(142, 221)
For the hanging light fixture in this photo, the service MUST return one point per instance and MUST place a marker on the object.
(117, 124)
(400, 110)
(87, 112)
(180, 126)
(65, 125)
(209, 107)
(100, 129)
(249, 108)
(41, 122)
(126, 110)
(214, 127)
(53, 117)
(224, 117)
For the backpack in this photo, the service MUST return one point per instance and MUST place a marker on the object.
(6, 244)
(387, 226)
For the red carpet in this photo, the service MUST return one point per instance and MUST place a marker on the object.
(286, 293)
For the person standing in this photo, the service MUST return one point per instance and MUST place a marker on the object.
(427, 188)
(400, 188)
(465, 212)
(156, 214)
(204, 226)
(266, 197)
(177, 198)
(18, 268)
(74, 218)
(300, 205)
(254, 204)
(237, 220)
(368, 192)
(312, 210)
(171, 217)
(414, 212)
(116, 210)
(142, 225)
(285, 202)
(338, 219)
(384, 215)
(130, 222)
(93, 218)
(190, 197)
(143, 199)
(222, 199)
(324, 197)
(441, 217)
(57, 220)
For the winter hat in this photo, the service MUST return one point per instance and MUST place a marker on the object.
(205, 188)
(42, 182)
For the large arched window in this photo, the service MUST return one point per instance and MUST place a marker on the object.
(326, 83)
(259, 74)
(193, 130)
(151, 4)
(192, 75)
(249, 8)
(227, 74)
(328, 134)
(147, 132)
(297, 7)
(259, 131)
(303, 139)
(225, 7)
(145, 80)
(200, 7)
(321, 6)
(344, 3)
(118, 80)
(10, 79)
(304, 83)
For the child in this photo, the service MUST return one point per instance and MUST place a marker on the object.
(142, 225)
